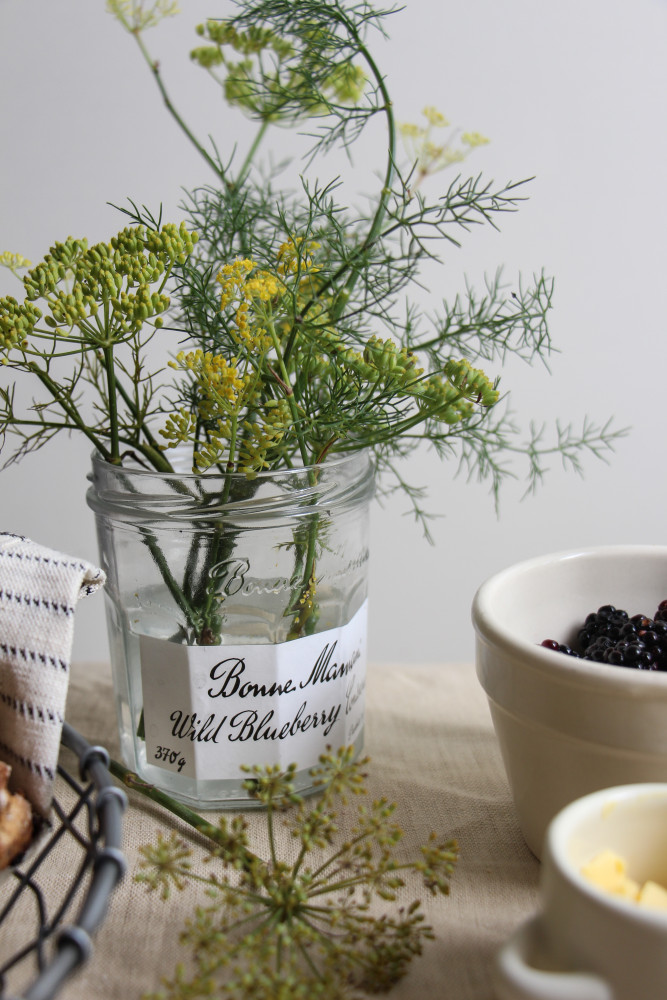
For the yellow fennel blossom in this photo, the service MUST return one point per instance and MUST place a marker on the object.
(135, 15)
(437, 157)
(347, 83)
(443, 401)
(428, 156)
(474, 139)
(286, 83)
(214, 448)
(13, 261)
(251, 335)
(473, 383)
(242, 281)
(248, 287)
(296, 255)
(242, 320)
(411, 131)
(179, 428)
(214, 374)
(119, 273)
(263, 285)
(255, 438)
(223, 393)
(16, 324)
(232, 278)
(262, 434)
(393, 365)
(435, 117)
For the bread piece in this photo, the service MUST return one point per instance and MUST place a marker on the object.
(16, 827)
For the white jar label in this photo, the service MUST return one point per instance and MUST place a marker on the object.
(210, 709)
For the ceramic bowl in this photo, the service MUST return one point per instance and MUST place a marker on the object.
(567, 726)
(586, 943)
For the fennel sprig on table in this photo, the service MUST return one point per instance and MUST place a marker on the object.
(303, 921)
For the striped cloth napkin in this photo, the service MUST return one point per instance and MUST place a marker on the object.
(39, 589)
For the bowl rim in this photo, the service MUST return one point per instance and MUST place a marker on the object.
(534, 657)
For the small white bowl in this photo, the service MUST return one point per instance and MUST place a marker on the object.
(585, 943)
(567, 726)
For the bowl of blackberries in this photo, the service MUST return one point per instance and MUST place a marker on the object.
(571, 651)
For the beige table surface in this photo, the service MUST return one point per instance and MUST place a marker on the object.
(434, 753)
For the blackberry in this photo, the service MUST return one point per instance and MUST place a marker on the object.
(606, 621)
(609, 635)
(559, 647)
(597, 649)
(630, 654)
(655, 640)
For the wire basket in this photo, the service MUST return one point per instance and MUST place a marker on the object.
(83, 841)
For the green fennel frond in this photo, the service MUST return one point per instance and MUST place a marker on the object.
(310, 924)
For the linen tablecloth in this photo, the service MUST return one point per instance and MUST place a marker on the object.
(433, 751)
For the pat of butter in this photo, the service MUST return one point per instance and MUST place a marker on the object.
(608, 871)
(653, 895)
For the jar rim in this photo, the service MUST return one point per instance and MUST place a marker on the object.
(332, 461)
(147, 494)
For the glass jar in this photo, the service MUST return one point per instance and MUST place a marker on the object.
(236, 610)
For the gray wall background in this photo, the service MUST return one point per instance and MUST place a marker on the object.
(572, 93)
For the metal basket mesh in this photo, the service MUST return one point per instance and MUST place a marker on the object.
(62, 890)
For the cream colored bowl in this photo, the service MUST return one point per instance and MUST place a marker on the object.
(566, 726)
(586, 943)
